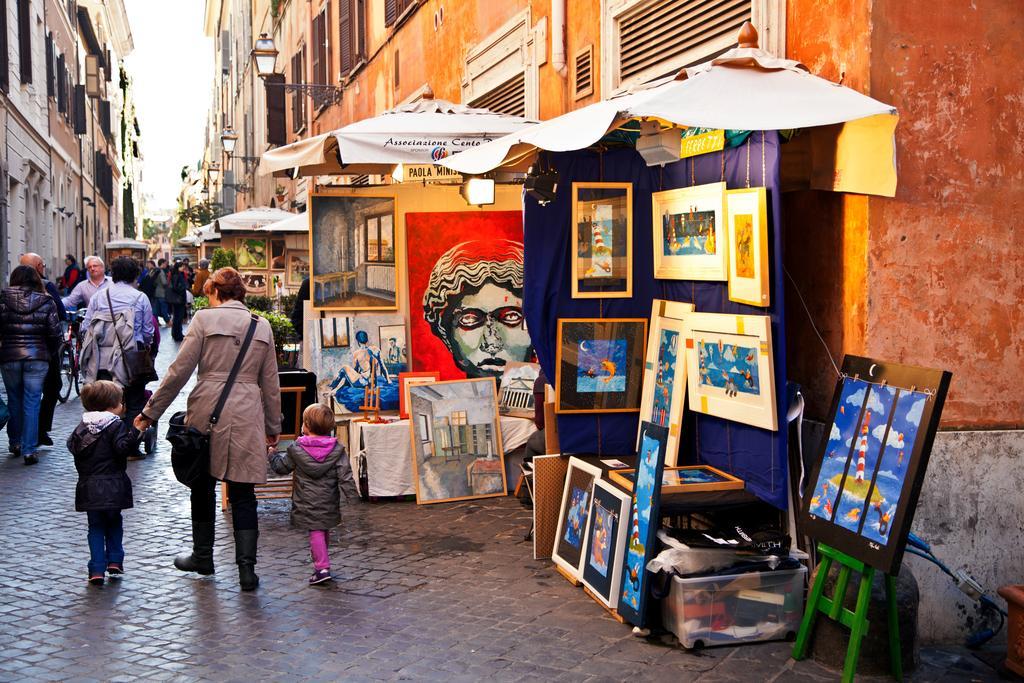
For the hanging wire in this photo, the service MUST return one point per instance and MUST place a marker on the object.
(747, 181)
(810, 319)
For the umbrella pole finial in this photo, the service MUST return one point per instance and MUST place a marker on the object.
(747, 36)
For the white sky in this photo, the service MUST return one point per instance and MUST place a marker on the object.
(171, 70)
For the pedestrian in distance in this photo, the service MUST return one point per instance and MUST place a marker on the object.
(160, 291)
(201, 277)
(83, 292)
(321, 468)
(30, 332)
(147, 284)
(101, 444)
(238, 447)
(72, 274)
(175, 295)
(52, 383)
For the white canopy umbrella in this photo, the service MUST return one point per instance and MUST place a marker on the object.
(743, 89)
(297, 223)
(206, 233)
(126, 244)
(421, 132)
(252, 218)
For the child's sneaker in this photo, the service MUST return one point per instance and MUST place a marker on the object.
(320, 576)
(115, 569)
(96, 579)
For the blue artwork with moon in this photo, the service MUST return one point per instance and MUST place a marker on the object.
(601, 366)
(730, 367)
(665, 373)
(863, 473)
(640, 519)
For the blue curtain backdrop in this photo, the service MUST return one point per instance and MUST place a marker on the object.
(756, 455)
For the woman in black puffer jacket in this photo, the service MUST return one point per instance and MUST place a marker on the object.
(29, 334)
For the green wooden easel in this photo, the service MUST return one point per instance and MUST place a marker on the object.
(856, 621)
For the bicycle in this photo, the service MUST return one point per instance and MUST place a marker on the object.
(69, 355)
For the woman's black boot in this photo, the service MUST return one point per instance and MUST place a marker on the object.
(245, 557)
(200, 560)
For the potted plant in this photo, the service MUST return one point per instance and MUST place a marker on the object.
(280, 192)
(1014, 596)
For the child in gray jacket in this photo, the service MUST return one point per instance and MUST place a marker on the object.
(321, 470)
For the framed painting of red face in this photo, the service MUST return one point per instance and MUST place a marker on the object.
(466, 292)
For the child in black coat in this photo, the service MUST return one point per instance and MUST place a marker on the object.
(101, 444)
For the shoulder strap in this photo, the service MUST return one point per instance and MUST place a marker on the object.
(215, 415)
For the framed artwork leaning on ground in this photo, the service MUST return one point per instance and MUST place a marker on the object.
(730, 369)
(571, 534)
(866, 481)
(600, 364)
(456, 440)
(606, 538)
(664, 389)
(689, 233)
(352, 244)
(602, 240)
(747, 217)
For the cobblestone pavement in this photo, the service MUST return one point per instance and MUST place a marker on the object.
(444, 592)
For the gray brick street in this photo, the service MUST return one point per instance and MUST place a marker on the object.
(443, 592)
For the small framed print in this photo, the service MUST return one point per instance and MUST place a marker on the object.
(515, 394)
(687, 479)
(606, 539)
(334, 332)
(664, 389)
(600, 365)
(731, 372)
(602, 237)
(251, 253)
(408, 379)
(297, 266)
(277, 253)
(571, 534)
(747, 211)
(255, 283)
(689, 233)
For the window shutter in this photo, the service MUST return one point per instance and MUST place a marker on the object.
(390, 12)
(314, 73)
(105, 117)
(276, 126)
(25, 41)
(50, 73)
(225, 52)
(5, 79)
(62, 85)
(507, 98)
(583, 73)
(321, 67)
(79, 107)
(348, 60)
(92, 75)
(109, 73)
(298, 98)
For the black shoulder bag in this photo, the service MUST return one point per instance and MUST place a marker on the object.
(138, 363)
(190, 448)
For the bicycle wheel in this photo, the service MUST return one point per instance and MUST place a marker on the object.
(66, 357)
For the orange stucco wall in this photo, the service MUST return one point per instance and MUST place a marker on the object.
(934, 276)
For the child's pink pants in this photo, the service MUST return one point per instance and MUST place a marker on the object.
(318, 540)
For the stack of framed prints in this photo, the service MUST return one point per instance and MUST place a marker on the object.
(730, 367)
(747, 212)
(568, 552)
(605, 540)
(689, 233)
(688, 479)
(869, 474)
(643, 523)
(602, 235)
(600, 365)
(456, 440)
(664, 389)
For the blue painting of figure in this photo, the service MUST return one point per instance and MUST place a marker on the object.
(576, 520)
(867, 446)
(640, 520)
(691, 233)
(668, 350)
(601, 367)
(906, 422)
(730, 367)
(838, 449)
(602, 534)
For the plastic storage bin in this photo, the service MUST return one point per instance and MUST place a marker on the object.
(739, 608)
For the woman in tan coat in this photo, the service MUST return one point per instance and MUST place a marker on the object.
(238, 448)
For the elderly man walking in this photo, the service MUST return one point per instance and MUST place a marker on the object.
(83, 292)
(51, 384)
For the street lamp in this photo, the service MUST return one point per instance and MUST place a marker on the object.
(228, 139)
(265, 55)
(213, 171)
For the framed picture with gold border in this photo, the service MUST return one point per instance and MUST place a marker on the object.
(664, 389)
(602, 240)
(599, 365)
(686, 479)
(353, 251)
(747, 216)
(730, 369)
(689, 233)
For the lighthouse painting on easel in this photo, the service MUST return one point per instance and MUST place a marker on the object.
(872, 467)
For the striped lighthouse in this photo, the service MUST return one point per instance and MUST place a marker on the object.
(862, 447)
